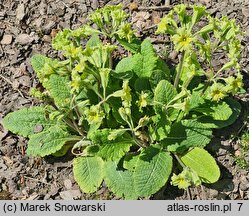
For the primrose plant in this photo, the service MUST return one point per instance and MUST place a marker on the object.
(133, 122)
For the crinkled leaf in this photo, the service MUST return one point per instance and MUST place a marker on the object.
(38, 62)
(145, 62)
(161, 72)
(100, 136)
(161, 127)
(124, 69)
(203, 164)
(133, 46)
(130, 161)
(59, 88)
(119, 181)
(152, 171)
(110, 151)
(195, 99)
(187, 134)
(48, 142)
(126, 64)
(234, 111)
(164, 93)
(88, 173)
(25, 121)
(217, 111)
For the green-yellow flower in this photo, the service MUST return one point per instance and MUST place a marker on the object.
(185, 179)
(182, 39)
(94, 115)
(217, 91)
(180, 180)
(126, 98)
(234, 84)
(142, 102)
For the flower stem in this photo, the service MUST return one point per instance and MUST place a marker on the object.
(179, 160)
(179, 70)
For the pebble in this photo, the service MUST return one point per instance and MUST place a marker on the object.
(60, 12)
(244, 184)
(245, 12)
(83, 8)
(7, 39)
(25, 81)
(24, 39)
(46, 39)
(68, 184)
(20, 12)
(2, 15)
(95, 4)
(70, 194)
(213, 193)
(49, 26)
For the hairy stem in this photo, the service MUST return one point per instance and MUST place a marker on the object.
(179, 70)
(179, 160)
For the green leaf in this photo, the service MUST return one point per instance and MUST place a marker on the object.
(38, 62)
(198, 12)
(59, 88)
(25, 121)
(187, 134)
(43, 66)
(164, 93)
(119, 181)
(161, 127)
(145, 62)
(124, 69)
(234, 111)
(152, 171)
(161, 72)
(48, 142)
(130, 161)
(110, 151)
(88, 173)
(133, 46)
(99, 137)
(126, 64)
(203, 164)
(195, 99)
(217, 111)
(93, 41)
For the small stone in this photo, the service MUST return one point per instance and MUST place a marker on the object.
(68, 184)
(53, 190)
(15, 84)
(7, 39)
(70, 194)
(95, 4)
(237, 153)
(244, 184)
(247, 31)
(24, 39)
(245, 12)
(48, 27)
(213, 193)
(83, 8)
(20, 12)
(133, 6)
(2, 14)
(46, 39)
(60, 12)
(25, 81)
